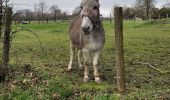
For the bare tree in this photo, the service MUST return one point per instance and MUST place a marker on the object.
(139, 9)
(21, 15)
(17, 16)
(29, 15)
(35, 11)
(55, 11)
(129, 13)
(155, 13)
(64, 15)
(145, 7)
(164, 12)
(42, 6)
(167, 4)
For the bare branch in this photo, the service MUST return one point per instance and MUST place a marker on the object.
(151, 66)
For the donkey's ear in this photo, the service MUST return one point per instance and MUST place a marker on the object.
(97, 0)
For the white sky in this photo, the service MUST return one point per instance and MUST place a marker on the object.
(69, 5)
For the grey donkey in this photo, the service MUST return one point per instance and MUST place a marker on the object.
(88, 36)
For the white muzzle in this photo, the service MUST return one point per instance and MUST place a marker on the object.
(86, 25)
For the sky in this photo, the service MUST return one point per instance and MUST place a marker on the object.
(69, 5)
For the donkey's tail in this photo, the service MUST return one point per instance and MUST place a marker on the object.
(76, 11)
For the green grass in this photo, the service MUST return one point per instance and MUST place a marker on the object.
(146, 42)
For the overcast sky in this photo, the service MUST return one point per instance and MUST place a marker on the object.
(69, 5)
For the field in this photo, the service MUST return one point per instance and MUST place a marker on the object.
(38, 63)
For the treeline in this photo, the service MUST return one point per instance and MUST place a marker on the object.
(145, 10)
(28, 15)
(41, 13)
(141, 10)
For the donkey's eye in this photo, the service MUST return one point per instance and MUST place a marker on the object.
(81, 7)
(95, 8)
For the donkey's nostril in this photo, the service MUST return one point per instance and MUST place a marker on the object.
(85, 29)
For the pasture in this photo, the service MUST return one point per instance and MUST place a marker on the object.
(38, 64)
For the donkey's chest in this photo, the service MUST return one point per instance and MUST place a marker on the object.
(93, 44)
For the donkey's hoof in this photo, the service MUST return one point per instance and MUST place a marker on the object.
(98, 80)
(69, 69)
(81, 67)
(86, 79)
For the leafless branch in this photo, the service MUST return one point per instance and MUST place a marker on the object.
(151, 66)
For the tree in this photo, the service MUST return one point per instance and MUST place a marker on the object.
(55, 11)
(17, 16)
(145, 7)
(164, 12)
(21, 15)
(155, 13)
(28, 15)
(35, 11)
(167, 5)
(42, 6)
(64, 15)
(128, 13)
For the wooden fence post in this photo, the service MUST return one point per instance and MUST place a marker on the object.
(1, 16)
(6, 42)
(118, 19)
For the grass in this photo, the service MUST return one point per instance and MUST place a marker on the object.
(47, 77)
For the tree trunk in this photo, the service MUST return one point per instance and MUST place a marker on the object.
(167, 16)
(147, 10)
(47, 20)
(55, 18)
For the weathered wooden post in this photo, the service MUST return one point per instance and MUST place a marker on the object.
(1, 16)
(6, 42)
(118, 19)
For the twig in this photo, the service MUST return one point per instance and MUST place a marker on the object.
(151, 66)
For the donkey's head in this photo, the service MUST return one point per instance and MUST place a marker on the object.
(90, 15)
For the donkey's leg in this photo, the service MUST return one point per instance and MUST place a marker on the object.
(79, 59)
(95, 65)
(86, 55)
(72, 50)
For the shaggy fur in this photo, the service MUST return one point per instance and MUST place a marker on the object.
(86, 40)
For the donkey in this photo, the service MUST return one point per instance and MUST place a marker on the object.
(88, 36)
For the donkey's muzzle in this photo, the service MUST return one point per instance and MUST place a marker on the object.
(86, 30)
(86, 25)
